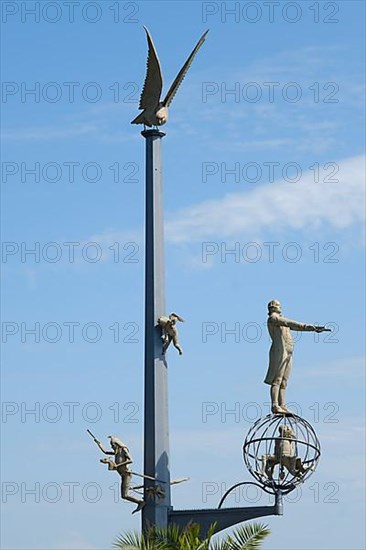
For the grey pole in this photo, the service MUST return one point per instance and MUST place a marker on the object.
(156, 428)
(158, 511)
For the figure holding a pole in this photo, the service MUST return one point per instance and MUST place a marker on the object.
(121, 462)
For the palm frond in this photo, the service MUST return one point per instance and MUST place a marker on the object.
(133, 541)
(248, 537)
(220, 545)
(128, 541)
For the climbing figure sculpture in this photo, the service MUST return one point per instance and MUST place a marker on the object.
(170, 332)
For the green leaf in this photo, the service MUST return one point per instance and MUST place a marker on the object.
(247, 537)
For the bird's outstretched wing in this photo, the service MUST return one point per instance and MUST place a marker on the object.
(182, 73)
(151, 92)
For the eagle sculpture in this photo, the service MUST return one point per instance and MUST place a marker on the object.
(155, 111)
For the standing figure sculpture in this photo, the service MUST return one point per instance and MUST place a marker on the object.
(280, 354)
(121, 462)
(170, 332)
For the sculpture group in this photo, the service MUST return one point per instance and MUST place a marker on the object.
(284, 453)
(279, 369)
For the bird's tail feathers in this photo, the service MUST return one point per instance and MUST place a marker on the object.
(139, 119)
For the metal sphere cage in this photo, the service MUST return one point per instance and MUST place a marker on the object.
(281, 451)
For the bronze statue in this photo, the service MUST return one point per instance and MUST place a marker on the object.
(280, 354)
(170, 332)
(155, 111)
(121, 462)
(284, 455)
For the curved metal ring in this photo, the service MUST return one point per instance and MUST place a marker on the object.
(238, 485)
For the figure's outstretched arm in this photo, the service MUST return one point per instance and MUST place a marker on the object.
(104, 450)
(293, 325)
(96, 440)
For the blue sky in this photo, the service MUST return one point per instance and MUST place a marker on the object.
(264, 156)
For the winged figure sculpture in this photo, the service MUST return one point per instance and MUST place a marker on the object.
(155, 111)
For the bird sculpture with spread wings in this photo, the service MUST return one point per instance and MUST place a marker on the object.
(155, 112)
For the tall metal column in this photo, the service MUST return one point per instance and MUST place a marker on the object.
(156, 428)
(158, 511)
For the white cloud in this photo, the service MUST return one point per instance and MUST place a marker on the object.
(129, 244)
(320, 76)
(279, 206)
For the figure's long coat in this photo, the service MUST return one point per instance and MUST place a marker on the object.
(282, 345)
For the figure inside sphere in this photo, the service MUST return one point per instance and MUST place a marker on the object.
(280, 354)
(285, 456)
